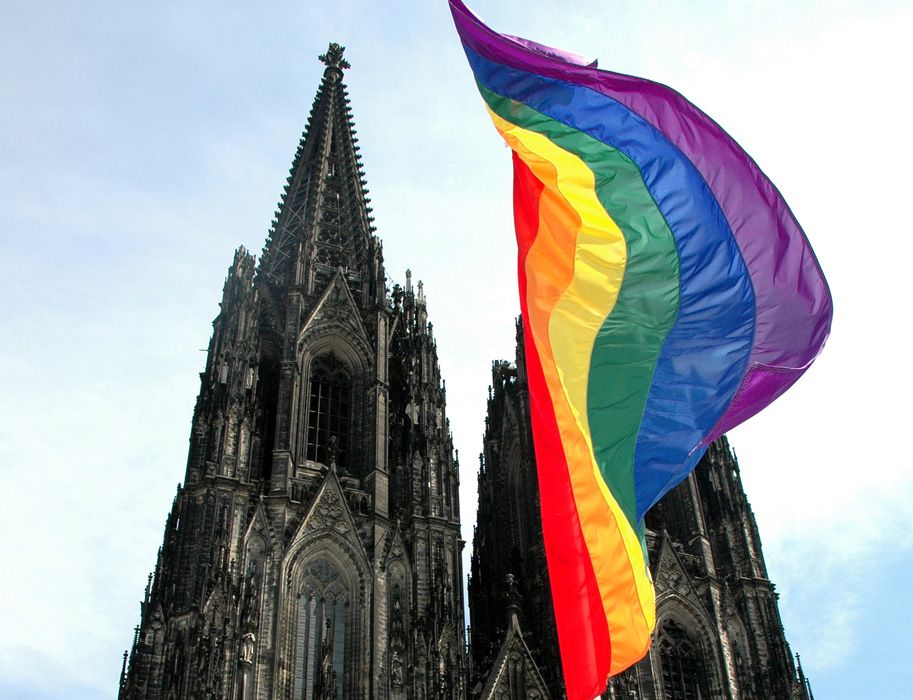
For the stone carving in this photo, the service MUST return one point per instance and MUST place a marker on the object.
(325, 688)
(250, 608)
(396, 670)
(323, 571)
(248, 642)
(671, 578)
(333, 57)
(329, 514)
(337, 306)
(332, 452)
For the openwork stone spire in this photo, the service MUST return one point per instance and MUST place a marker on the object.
(323, 221)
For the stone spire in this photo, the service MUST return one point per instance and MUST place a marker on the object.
(282, 573)
(323, 220)
(224, 411)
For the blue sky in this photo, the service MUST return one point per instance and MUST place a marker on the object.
(140, 144)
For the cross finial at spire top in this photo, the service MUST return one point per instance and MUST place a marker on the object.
(333, 57)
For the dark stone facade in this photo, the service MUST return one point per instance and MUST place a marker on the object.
(718, 631)
(314, 548)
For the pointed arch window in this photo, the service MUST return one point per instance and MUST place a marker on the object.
(329, 411)
(684, 673)
(322, 634)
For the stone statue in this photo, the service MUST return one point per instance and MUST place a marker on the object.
(248, 641)
(325, 688)
(332, 452)
(396, 669)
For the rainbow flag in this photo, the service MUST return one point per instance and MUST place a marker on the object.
(668, 294)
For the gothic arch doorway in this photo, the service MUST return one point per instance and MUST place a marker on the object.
(324, 626)
(326, 611)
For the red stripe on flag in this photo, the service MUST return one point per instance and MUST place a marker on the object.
(583, 632)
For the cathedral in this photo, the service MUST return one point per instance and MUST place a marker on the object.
(718, 631)
(313, 551)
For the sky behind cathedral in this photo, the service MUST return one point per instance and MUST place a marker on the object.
(140, 144)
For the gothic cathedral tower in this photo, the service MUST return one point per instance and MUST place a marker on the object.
(313, 551)
(718, 632)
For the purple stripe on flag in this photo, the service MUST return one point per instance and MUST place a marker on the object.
(788, 282)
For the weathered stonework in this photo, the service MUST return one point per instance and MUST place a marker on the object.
(314, 548)
(718, 632)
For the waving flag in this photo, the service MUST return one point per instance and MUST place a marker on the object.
(668, 294)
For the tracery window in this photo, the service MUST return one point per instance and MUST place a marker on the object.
(329, 410)
(684, 673)
(322, 631)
